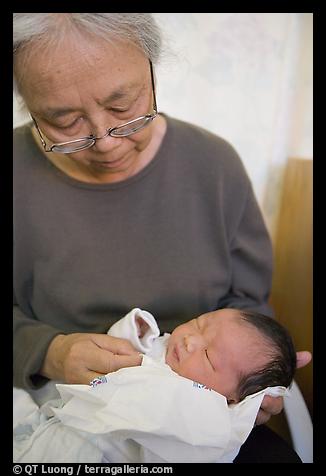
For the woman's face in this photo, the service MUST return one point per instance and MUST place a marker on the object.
(84, 89)
(215, 350)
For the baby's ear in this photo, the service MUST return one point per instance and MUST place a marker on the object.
(142, 326)
(303, 358)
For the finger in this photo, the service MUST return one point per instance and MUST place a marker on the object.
(303, 358)
(98, 360)
(90, 376)
(83, 377)
(272, 405)
(103, 361)
(114, 344)
(116, 362)
(262, 417)
(120, 361)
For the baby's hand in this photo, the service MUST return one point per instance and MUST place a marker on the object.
(142, 326)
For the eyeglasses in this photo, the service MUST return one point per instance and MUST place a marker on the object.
(123, 130)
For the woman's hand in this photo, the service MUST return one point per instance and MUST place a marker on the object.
(79, 358)
(274, 405)
(269, 406)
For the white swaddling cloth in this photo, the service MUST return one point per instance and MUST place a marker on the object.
(150, 414)
(129, 327)
(145, 414)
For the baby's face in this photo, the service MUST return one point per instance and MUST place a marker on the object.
(216, 349)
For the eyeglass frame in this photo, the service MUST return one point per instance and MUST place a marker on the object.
(150, 118)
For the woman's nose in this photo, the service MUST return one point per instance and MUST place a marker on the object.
(100, 128)
(106, 143)
(194, 343)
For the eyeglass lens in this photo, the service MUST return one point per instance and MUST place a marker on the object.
(121, 131)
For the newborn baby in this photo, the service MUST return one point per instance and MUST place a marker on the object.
(234, 352)
(194, 398)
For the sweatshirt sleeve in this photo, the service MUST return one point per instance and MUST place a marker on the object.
(251, 261)
(31, 341)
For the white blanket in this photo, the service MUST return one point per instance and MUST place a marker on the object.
(145, 414)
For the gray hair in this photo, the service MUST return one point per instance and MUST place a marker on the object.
(46, 30)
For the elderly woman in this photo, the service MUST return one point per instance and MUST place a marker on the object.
(117, 205)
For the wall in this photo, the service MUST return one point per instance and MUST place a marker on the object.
(292, 290)
(292, 284)
(248, 78)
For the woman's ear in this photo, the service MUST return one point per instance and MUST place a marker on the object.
(303, 358)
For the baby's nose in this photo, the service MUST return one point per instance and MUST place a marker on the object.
(194, 343)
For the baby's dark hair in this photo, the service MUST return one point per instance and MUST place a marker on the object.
(282, 364)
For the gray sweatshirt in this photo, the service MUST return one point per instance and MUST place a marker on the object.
(182, 237)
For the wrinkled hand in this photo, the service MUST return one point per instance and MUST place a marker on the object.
(79, 358)
(274, 405)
